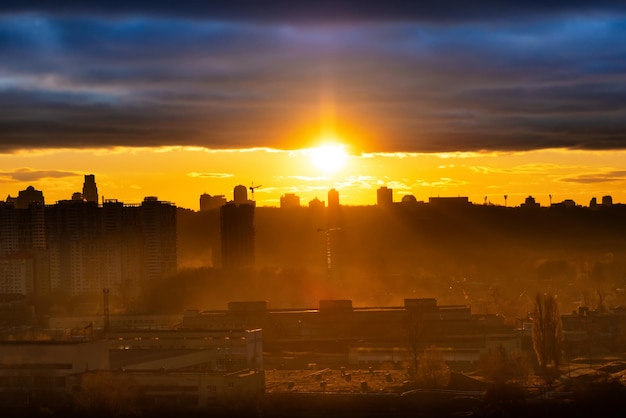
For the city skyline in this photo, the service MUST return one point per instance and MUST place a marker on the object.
(354, 191)
(176, 100)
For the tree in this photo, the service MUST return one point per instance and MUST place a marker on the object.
(501, 366)
(547, 332)
(433, 372)
(416, 333)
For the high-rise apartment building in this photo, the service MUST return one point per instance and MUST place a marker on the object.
(208, 202)
(76, 247)
(23, 261)
(334, 209)
(158, 228)
(237, 231)
(90, 190)
(384, 196)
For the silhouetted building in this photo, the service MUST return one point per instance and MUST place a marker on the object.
(317, 204)
(333, 199)
(23, 261)
(567, 203)
(607, 201)
(408, 199)
(208, 202)
(72, 229)
(158, 228)
(334, 208)
(123, 267)
(240, 194)
(384, 196)
(337, 325)
(28, 197)
(237, 231)
(289, 200)
(90, 190)
(112, 246)
(530, 203)
(449, 202)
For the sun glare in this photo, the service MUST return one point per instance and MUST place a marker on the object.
(329, 158)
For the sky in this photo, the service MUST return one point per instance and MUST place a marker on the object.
(175, 99)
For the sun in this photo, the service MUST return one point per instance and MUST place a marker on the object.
(329, 158)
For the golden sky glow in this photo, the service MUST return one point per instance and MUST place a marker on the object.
(328, 157)
(182, 174)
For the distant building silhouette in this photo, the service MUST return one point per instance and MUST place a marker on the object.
(90, 190)
(158, 228)
(237, 231)
(333, 198)
(27, 197)
(208, 202)
(289, 200)
(316, 204)
(72, 240)
(334, 208)
(530, 203)
(607, 201)
(240, 194)
(409, 199)
(460, 201)
(567, 203)
(384, 196)
(112, 246)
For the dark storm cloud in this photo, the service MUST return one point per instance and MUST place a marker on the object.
(28, 175)
(324, 10)
(597, 177)
(510, 77)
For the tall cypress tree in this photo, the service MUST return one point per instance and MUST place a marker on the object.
(547, 331)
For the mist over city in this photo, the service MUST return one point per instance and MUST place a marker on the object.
(334, 209)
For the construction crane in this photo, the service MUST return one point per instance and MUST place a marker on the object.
(329, 253)
(252, 188)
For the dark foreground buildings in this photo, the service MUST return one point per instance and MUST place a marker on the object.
(77, 247)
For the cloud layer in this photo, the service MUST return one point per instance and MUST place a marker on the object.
(413, 78)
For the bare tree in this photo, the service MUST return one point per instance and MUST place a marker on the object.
(547, 332)
(433, 371)
(416, 333)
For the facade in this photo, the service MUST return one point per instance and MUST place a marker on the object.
(30, 368)
(237, 231)
(337, 332)
(58, 375)
(158, 230)
(228, 350)
(76, 247)
(72, 232)
(22, 242)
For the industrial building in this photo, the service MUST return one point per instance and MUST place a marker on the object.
(338, 334)
(79, 373)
